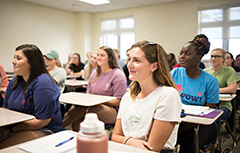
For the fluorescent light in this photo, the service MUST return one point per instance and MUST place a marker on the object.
(96, 2)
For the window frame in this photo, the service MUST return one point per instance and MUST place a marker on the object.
(118, 31)
(225, 24)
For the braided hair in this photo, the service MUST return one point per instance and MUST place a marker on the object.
(202, 44)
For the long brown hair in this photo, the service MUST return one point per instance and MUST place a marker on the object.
(36, 61)
(112, 60)
(153, 53)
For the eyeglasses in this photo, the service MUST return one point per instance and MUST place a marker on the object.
(216, 56)
(228, 57)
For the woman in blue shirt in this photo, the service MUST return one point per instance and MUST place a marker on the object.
(33, 91)
(196, 87)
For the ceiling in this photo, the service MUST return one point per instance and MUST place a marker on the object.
(77, 6)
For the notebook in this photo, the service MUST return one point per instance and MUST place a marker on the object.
(48, 144)
(211, 114)
(193, 109)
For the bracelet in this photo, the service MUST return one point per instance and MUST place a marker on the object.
(127, 139)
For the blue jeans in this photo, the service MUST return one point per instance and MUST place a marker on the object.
(226, 113)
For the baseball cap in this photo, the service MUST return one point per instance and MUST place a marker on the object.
(52, 54)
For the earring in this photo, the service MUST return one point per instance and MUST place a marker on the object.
(152, 70)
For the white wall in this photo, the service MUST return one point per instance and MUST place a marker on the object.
(45, 27)
(170, 24)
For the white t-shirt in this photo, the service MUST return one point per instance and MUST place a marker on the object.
(163, 104)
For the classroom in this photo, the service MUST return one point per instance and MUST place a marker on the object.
(169, 25)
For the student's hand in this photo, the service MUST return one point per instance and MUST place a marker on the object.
(4, 134)
(70, 62)
(139, 144)
(71, 73)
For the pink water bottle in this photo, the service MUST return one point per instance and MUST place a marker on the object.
(92, 137)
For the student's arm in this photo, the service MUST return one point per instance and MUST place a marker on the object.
(4, 77)
(211, 105)
(34, 124)
(231, 89)
(160, 132)
(30, 125)
(61, 76)
(79, 74)
(67, 69)
(118, 136)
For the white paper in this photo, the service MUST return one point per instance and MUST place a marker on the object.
(48, 144)
(225, 95)
(194, 110)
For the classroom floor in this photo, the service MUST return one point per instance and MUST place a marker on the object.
(227, 143)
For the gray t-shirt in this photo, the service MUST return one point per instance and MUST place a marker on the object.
(59, 75)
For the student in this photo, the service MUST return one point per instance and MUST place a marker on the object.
(75, 66)
(91, 66)
(33, 91)
(196, 87)
(238, 60)
(4, 80)
(120, 62)
(88, 57)
(108, 79)
(69, 59)
(227, 78)
(171, 60)
(149, 114)
(125, 69)
(54, 67)
(4, 84)
(231, 62)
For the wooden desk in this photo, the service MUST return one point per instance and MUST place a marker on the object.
(8, 117)
(84, 99)
(112, 146)
(199, 121)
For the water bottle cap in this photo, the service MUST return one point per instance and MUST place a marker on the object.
(91, 124)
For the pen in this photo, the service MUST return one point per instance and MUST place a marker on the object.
(64, 142)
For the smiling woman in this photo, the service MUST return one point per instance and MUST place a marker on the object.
(33, 91)
(227, 78)
(149, 114)
(194, 82)
(108, 79)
